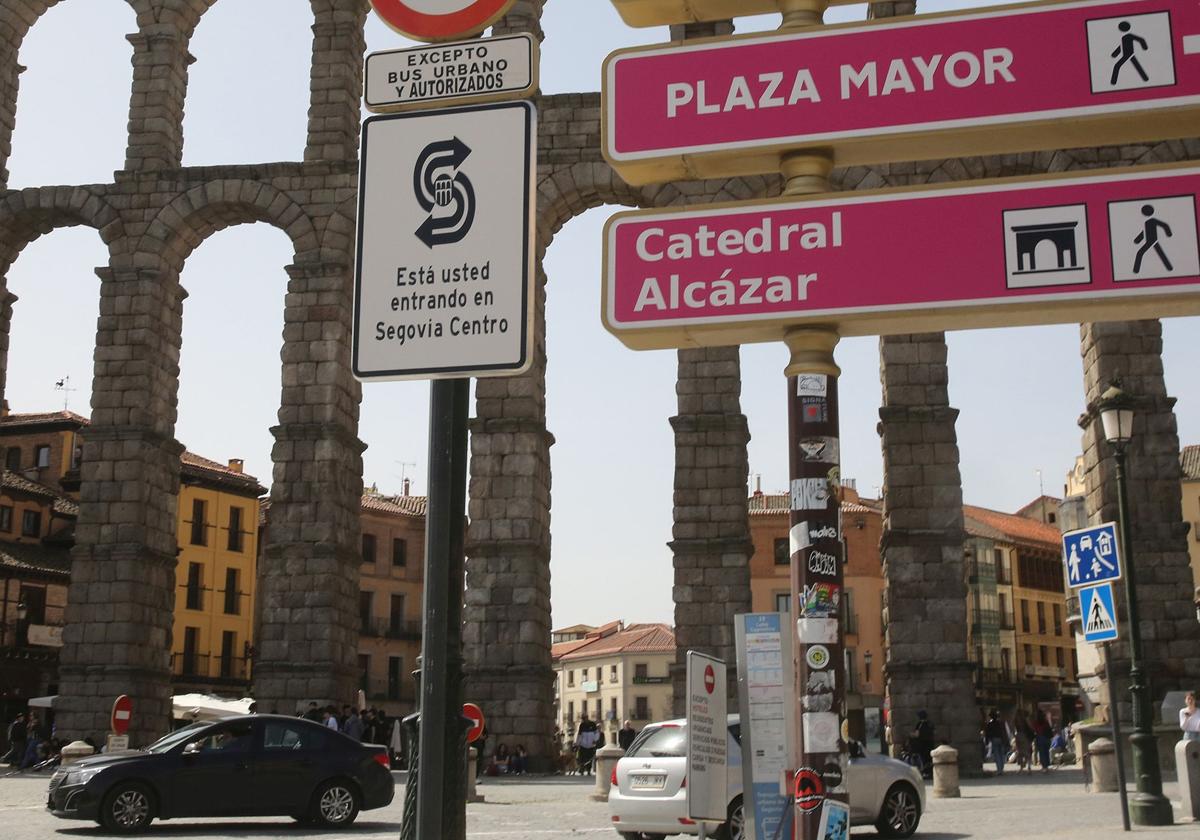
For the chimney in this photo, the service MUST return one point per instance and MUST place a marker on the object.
(236, 465)
(406, 486)
(758, 485)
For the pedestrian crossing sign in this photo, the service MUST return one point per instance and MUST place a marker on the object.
(1099, 613)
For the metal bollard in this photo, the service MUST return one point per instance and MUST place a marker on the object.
(606, 760)
(945, 772)
(74, 751)
(472, 795)
(1187, 768)
(1104, 766)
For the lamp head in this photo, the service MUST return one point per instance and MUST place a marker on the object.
(1116, 414)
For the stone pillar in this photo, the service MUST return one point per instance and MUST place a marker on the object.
(308, 576)
(336, 80)
(117, 638)
(524, 16)
(1132, 350)
(10, 82)
(7, 299)
(160, 62)
(925, 592)
(506, 636)
(711, 545)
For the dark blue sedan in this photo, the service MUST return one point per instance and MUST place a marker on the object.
(249, 765)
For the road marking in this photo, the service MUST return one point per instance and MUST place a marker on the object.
(1191, 44)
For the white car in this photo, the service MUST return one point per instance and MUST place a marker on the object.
(648, 800)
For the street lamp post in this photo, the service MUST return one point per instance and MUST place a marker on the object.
(1149, 806)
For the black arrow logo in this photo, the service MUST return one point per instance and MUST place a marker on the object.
(438, 183)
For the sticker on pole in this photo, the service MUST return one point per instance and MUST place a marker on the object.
(1099, 611)
(1092, 555)
(442, 283)
(809, 789)
(440, 20)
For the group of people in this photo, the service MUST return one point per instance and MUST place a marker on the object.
(30, 742)
(370, 726)
(579, 753)
(1023, 741)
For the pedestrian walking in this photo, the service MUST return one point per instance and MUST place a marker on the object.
(626, 735)
(17, 733)
(1189, 718)
(923, 741)
(353, 727)
(1023, 742)
(995, 732)
(330, 721)
(586, 738)
(1042, 735)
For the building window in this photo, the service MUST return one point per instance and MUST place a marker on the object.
(1028, 655)
(364, 672)
(368, 548)
(233, 595)
(364, 610)
(783, 602)
(1053, 518)
(641, 708)
(1058, 623)
(1043, 655)
(570, 678)
(1003, 575)
(1006, 619)
(228, 640)
(34, 599)
(12, 458)
(235, 529)
(199, 528)
(851, 670)
(584, 711)
(1024, 616)
(570, 712)
(1005, 664)
(612, 708)
(41, 456)
(6, 512)
(641, 671)
(191, 641)
(396, 615)
(1060, 658)
(399, 552)
(612, 674)
(395, 669)
(1074, 663)
(31, 523)
(783, 554)
(195, 590)
(851, 617)
(1041, 614)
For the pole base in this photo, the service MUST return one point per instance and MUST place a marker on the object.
(1151, 809)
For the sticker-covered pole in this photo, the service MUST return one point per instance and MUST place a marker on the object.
(816, 582)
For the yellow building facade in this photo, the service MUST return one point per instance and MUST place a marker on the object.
(213, 639)
(1189, 459)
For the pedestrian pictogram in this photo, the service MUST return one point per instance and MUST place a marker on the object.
(444, 192)
(1154, 238)
(1099, 613)
(1131, 52)
(1127, 52)
(1091, 555)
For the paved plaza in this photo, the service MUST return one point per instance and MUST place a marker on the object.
(1012, 808)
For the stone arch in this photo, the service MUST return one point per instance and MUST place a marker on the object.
(30, 213)
(180, 227)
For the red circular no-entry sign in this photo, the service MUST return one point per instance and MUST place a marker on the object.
(440, 20)
(475, 715)
(710, 679)
(122, 712)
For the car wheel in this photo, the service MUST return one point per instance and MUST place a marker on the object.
(335, 803)
(901, 812)
(127, 808)
(734, 827)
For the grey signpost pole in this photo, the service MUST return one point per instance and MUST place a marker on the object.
(441, 792)
(1120, 748)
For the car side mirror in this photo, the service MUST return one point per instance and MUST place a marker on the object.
(192, 748)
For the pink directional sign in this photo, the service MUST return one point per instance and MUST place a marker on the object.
(1116, 245)
(1008, 79)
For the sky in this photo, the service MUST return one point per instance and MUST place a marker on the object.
(1019, 391)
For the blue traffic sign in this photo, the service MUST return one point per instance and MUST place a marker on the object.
(1091, 555)
(1099, 612)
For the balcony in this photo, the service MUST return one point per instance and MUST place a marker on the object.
(1045, 672)
(388, 628)
(203, 667)
(651, 680)
(402, 691)
(993, 677)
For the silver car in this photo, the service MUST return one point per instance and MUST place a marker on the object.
(648, 800)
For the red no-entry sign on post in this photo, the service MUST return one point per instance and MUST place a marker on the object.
(122, 713)
(999, 80)
(474, 714)
(440, 20)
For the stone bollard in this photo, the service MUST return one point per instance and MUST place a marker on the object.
(472, 794)
(1104, 766)
(945, 772)
(1187, 768)
(606, 760)
(74, 751)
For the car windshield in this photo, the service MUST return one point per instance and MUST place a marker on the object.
(175, 738)
(662, 742)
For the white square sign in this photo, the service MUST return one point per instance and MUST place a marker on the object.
(1154, 238)
(1130, 52)
(1046, 246)
(445, 253)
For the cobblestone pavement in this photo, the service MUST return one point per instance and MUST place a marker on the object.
(1050, 807)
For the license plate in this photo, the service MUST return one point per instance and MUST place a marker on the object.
(643, 781)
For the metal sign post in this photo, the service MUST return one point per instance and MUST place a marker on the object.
(1117, 745)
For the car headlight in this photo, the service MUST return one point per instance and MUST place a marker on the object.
(82, 777)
